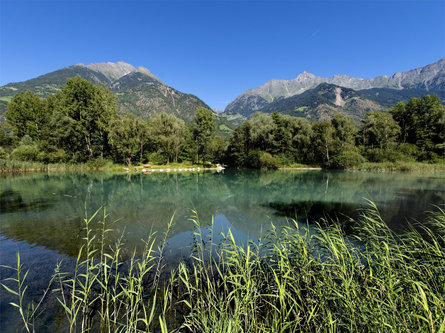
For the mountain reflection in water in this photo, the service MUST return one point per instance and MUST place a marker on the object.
(48, 209)
(41, 214)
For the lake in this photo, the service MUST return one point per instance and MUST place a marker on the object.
(41, 214)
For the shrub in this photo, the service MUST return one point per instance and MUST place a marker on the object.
(262, 160)
(157, 158)
(346, 160)
(3, 154)
(395, 155)
(99, 163)
(267, 161)
(25, 153)
(54, 156)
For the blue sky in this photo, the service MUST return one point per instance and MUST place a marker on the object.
(218, 49)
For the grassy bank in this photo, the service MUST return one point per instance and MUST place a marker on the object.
(290, 281)
(400, 166)
(14, 166)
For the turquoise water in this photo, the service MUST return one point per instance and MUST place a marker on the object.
(41, 214)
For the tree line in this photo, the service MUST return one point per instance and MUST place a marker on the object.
(413, 131)
(82, 123)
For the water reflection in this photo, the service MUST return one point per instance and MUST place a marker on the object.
(41, 214)
(47, 209)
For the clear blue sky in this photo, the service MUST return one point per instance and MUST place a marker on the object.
(218, 49)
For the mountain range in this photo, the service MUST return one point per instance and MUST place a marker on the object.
(137, 89)
(318, 98)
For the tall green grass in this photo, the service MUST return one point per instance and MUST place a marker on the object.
(7, 165)
(401, 166)
(291, 280)
(15, 166)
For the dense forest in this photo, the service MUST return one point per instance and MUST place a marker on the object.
(81, 123)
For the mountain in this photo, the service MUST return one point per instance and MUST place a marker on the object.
(137, 89)
(322, 102)
(370, 94)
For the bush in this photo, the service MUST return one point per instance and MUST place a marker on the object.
(3, 154)
(157, 158)
(346, 160)
(99, 163)
(261, 160)
(409, 149)
(54, 156)
(25, 153)
(267, 161)
(394, 155)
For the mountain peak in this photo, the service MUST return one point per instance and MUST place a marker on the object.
(112, 70)
(428, 79)
(305, 75)
(147, 72)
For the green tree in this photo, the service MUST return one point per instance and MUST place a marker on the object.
(379, 129)
(168, 132)
(281, 135)
(84, 113)
(323, 143)
(405, 119)
(300, 134)
(203, 130)
(126, 138)
(262, 128)
(421, 122)
(7, 135)
(28, 115)
(217, 149)
(239, 146)
(345, 132)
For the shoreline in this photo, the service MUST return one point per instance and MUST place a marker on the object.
(367, 167)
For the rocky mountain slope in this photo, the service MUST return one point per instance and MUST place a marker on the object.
(370, 94)
(138, 90)
(322, 102)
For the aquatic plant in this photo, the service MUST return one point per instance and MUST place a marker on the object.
(291, 280)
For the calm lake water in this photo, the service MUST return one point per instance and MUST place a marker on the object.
(41, 214)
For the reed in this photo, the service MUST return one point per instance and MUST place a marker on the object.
(291, 280)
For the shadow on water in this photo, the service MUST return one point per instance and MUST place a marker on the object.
(12, 201)
(313, 211)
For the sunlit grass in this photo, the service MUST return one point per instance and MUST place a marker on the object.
(291, 280)
(401, 166)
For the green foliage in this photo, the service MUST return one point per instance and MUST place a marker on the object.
(168, 133)
(127, 138)
(217, 148)
(204, 128)
(3, 153)
(379, 130)
(8, 138)
(292, 280)
(408, 132)
(81, 123)
(53, 156)
(267, 161)
(28, 115)
(346, 160)
(84, 115)
(157, 158)
(25, 153)
(99, 163)
(422, 122)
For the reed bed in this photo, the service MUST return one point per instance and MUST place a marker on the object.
(13, 166)
(291, 280)
(401, 166)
